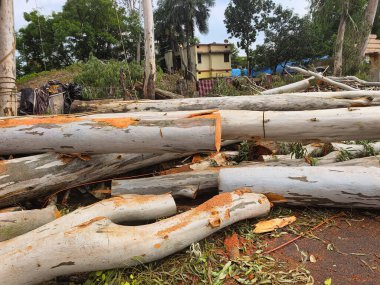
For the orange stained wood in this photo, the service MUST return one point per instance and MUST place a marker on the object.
(2, 166)
(31, 121)
(157, 245)
(212, 114)
(90, 222)
(272, 197)
(120, 123)
(57, 214)
(221, 200)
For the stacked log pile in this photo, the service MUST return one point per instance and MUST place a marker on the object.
(144, 140)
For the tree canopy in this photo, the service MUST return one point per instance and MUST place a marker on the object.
(83, 28)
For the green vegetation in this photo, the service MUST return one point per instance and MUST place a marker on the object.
(102, 79)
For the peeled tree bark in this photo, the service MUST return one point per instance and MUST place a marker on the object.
(284, 102)
(120, 209)
(100, 244)
(13, 224)
(7, 60)
(149, 47)
(329, 186)
(110, 133)
(35, 176)
(294, 87)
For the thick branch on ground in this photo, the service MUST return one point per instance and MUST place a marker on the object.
(327, 186)
(323, 78)
(355, 79)
(13, 224)
(356, 149)
(110, 133)
(121, 209)
(290, 88)
(99, 244)
(284, 102)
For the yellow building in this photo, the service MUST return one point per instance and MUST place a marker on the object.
(209, 60)
(373, 55)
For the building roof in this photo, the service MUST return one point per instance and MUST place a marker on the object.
(373, 45)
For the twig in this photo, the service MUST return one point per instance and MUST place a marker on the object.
(303, 234)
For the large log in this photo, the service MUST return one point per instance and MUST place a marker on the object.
(99, 244)
(319, 125)
(284, 102)
(110, 133)
(355, 79)
(200, 182)
(328, 186)
(289, 88)
(13, 224)
(41, 175)
(121, 209)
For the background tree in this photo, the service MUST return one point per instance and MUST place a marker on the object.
(287, 37)
(83, 28)
(245, 18)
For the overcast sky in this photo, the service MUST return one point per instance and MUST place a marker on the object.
(217, 31)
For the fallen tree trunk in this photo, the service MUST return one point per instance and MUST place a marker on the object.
(323, 78)
(25, 178)
(284, 102)
(121, 209)
(357, 149)
(320, 125)
(200, 182)
(35, 176)
(290, 88)
(92, 134)
(99, 244)
(13, 224)
(331, 186)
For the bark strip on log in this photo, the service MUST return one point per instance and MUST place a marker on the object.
(290, 88)
(284, 102)
(120, 209)
(13, 224)
(331, 186)
(110, 133)
(323, 78)
(99, 244)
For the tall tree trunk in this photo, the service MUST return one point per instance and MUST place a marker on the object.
(188, 54)
(150, 60)
(370, 14)
(138, 53)
(7, 60)
(338, 60)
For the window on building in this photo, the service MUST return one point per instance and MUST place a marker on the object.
(226, 57)
(199, 58)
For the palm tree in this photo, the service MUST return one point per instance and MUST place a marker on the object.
(188, 14)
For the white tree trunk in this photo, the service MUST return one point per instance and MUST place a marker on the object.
(201, 182)
(370, 14)
(7, 60)
(319, 125)
(355, 79)
(150, 57)
(356, 149)
(323, 78)
(339, 43)
(110, 133)
(13, 224)
(294, 87)
(121, 209)
(331, 186)
(284, 102)
(99, 244)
